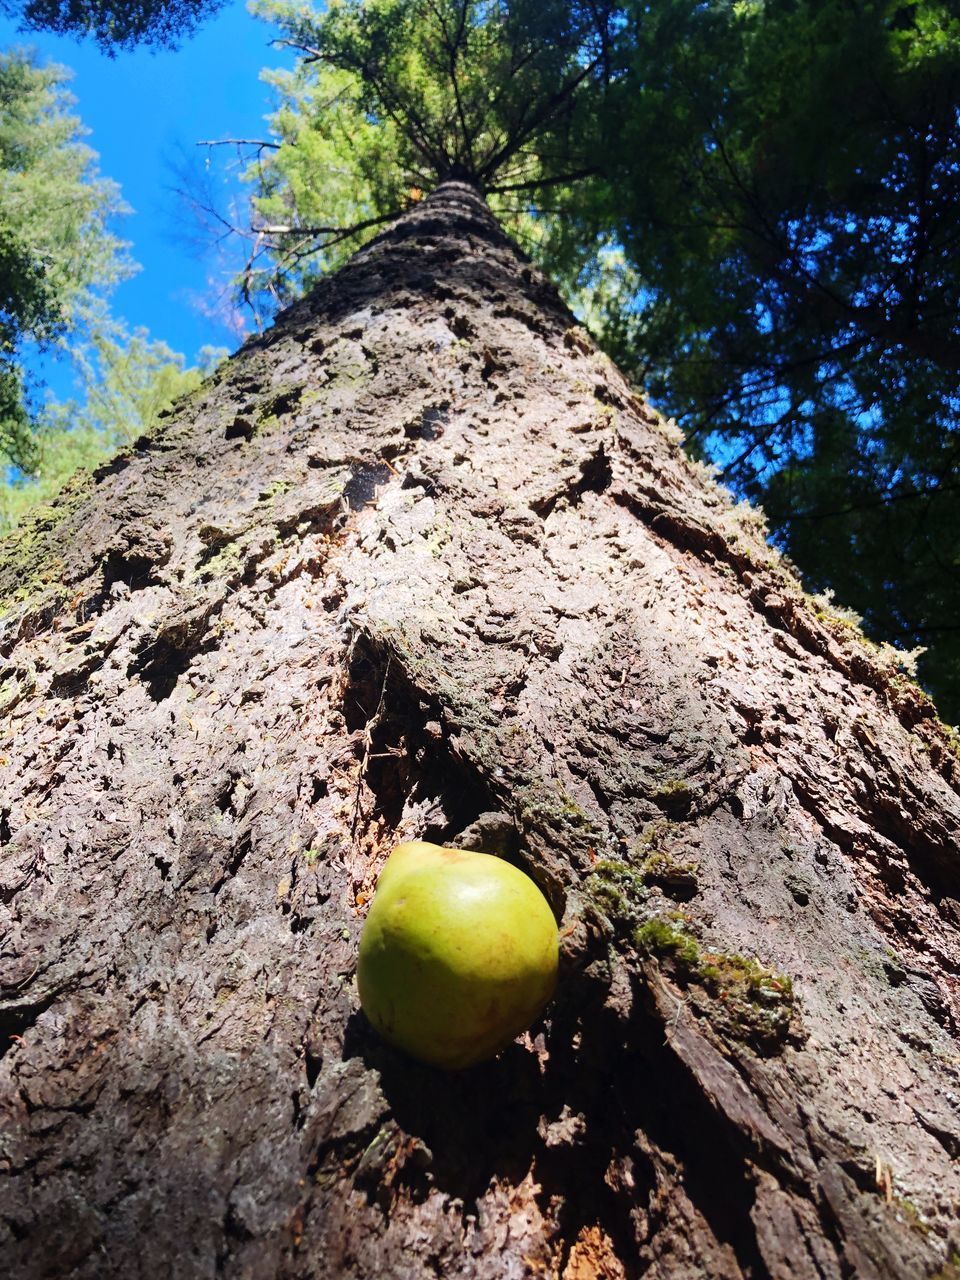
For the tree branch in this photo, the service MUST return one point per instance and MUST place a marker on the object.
(240, 142)
(575, 176)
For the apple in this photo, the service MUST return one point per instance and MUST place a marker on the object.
(458, 954)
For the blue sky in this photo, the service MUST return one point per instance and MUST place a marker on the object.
(145, 112)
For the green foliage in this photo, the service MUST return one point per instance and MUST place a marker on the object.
(788, 285)
(59, 258)
(114, 24)
(56, 250)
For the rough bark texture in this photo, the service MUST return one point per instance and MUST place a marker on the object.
(421, 563)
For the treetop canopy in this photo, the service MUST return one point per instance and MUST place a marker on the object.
(114, 24)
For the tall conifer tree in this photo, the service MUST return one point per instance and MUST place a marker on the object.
(419, 562)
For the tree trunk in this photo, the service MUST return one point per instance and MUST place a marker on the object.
(419, 563)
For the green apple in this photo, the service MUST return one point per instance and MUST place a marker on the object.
(458, 954)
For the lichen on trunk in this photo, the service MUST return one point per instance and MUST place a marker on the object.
(420, 564)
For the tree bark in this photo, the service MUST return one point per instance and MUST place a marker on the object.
(420, 563)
